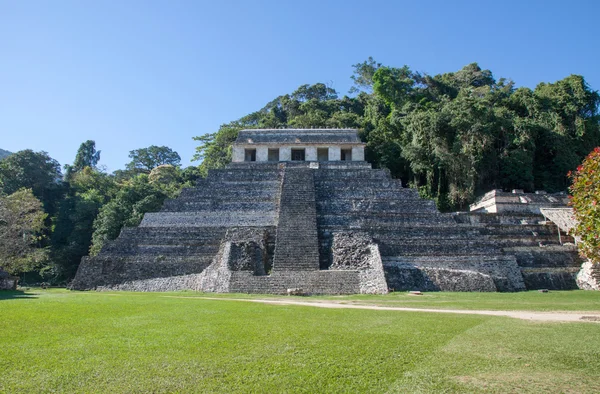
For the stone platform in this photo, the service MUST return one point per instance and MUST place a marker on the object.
(329, 227)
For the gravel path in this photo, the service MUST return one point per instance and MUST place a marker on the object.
(593, 317)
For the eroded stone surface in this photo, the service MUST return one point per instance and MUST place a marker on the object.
(327, 227)
(588, 277)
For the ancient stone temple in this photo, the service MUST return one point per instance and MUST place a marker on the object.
(299, 210)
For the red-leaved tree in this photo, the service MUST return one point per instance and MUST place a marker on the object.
(585, 199)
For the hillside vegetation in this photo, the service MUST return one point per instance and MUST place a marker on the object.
(453, 135)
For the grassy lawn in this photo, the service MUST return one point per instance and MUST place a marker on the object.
(60, 341)
(576, 300)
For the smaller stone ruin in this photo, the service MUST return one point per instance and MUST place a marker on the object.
(7, 282)
(517, 201)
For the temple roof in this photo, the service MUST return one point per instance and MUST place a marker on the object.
(298, 136)
(564, 218)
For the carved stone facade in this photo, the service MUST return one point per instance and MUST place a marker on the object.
(323, 227)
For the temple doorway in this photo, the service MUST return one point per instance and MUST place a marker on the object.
(298, 154)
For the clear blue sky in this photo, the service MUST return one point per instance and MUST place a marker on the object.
(129, 74)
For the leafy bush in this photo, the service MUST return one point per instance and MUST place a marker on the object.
(585, 201)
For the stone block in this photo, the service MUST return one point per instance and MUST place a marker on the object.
(335, 153)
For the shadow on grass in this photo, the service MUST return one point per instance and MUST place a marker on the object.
(15, 294)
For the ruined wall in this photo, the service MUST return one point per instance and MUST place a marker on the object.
(358, 251)
(420, 248)
(544, 262)
(457, 273)
(242, 249)
(497, 201)
(588, 278)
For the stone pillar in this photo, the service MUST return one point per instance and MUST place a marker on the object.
(237, 154)
(262, 153)
(285, 153)
(358, 153)
(335, 153)
(310, 153)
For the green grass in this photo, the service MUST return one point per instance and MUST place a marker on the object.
(576, 300)
(60, 341)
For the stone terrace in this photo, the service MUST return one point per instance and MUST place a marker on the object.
(325, 227)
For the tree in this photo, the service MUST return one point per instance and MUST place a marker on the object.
(215, 148)
(585, 200)
(87, 156)
(363, 75)
(32, 170)
(165, 174)
(89, 190)
(135, 197)
(145, 159)
(569, 127)
(21, 232)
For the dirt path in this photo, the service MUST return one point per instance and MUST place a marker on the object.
(593, 317)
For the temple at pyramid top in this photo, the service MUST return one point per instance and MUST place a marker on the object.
(264, 145)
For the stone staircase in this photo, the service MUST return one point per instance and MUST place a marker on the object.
(325, 228)
(545, 261)
(297, 246)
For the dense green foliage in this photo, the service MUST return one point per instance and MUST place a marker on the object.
(32, 170)
(81, 210)
(585, 200)
(57, 341)
(21, 232)
(87, 156)
(453, 136)
(144, 160)
(134, 198)
(86, 193)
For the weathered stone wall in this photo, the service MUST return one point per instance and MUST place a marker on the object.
(544, 262)
(453, 273)
(7, 282)
(358, 251)
(588, 278)
(324, 228)
(242, 249)
(497, 201)
(421, 249)
(306, 282)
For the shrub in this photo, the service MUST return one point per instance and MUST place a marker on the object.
(585, 200)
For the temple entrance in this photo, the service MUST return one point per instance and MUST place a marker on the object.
(346, 155)
(273, 155)
(322, 154)
(249, 154)
(298, 154)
